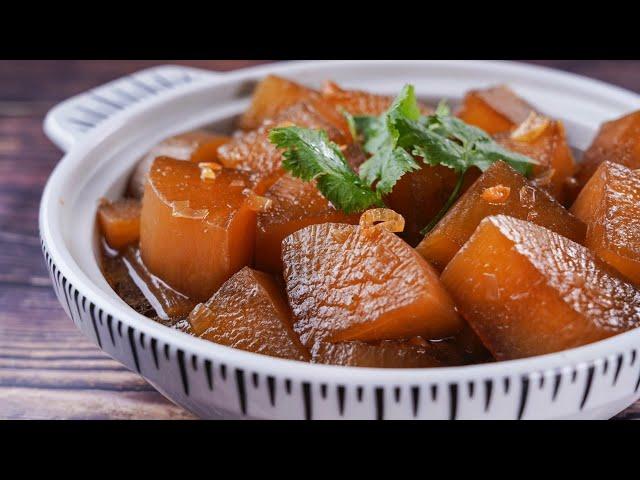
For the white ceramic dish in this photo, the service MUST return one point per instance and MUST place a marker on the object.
(106, 130)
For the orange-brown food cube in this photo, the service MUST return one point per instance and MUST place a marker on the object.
(610, 206)
(294, 205)
(617, 141)
(195, 231)
(418, 196)
(545, 141)
(356, 102)
(253, 151)
(273, 95)
(196, 146)
(527, 291)
(347, 282)
(496, 109)
(249, 312)
(120, 222)
(524, 201)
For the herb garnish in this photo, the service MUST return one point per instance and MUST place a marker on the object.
(309, 154)
(393, 140)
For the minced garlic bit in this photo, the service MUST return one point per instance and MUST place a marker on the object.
(208, 170)
(496, 194)
(383, 217)
(258, 203)
(531, 128)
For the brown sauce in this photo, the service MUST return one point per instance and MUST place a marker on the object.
(141, 290)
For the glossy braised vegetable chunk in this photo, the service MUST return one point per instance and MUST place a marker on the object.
(197, 226)
(249, 312)
(355, 102)
(294, 205)
(497, 109)
(348, 282)
(418, 196)
(120, 222)
(500, 190)
(529, 291)
(545, 141)
(618, 141)
(273, 95)
(253, 151)
(610, 206)
(196, 146)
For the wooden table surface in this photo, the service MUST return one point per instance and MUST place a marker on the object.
(48, 370)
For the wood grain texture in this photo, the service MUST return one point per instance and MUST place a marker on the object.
(48, 370)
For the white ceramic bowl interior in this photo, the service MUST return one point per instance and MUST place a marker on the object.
(106, 130)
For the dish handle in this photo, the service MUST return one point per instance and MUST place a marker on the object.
(68, 122)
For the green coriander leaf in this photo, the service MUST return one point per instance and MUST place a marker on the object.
(455, 128)
(374, 132)
(432, 147)
(309, 154)
(443, 110)
(351, 123)
(405, 104)
(490, 152)
(378, 131)
(388, 162)
(386, 167)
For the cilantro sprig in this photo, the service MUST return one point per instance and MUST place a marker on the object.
(394, 140)
(308, 154)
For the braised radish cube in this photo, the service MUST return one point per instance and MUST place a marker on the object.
(347, 282)
(294, 205)
(196, 146)
(618, 141)
(545, 141)
(254, 152)
(249, 312)
(120, 222)
(500, 190)
(273, 95)
(197, 226)
(418, 196)
(497, 109)
(610, 206)
(354, 101)
(527, 291)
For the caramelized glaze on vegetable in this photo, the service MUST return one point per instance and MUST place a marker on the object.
(351, 283)
(249, 312)
(196, 233)
(610, 206)
(527, 291)
(524, 201)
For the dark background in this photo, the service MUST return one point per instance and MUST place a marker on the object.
(47, 368)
